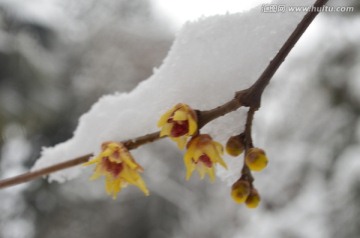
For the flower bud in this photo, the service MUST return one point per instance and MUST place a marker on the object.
(240, 190)
(256, 159)
(235, 146)
(253, 199)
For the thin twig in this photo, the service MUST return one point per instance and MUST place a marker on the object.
(250, 97)
(253, 97)
(245, 171)
(248, 126)
(42, 172)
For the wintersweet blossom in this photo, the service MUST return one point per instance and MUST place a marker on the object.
(119, 168)
(202, 154)
(179, 123)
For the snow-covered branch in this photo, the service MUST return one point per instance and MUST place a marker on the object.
(250, 97)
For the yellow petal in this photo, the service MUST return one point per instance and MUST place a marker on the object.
(142, 186)
(219, 147)
(192, 126)
(222, 162)
(201, 169)
(129, 175)
(92, 161)
(108, 186)
(197, 154)
(189, 170)
(134, 178)
(129, 161)
(164, 118)
(112, 145)
(214, 156)
(181, 141)
(189, 165)
(107, 152)
(211, 172)
(116, 187)
(211, 152)
(188, 156)
(166, 129)
(180, 115)
(97, 173)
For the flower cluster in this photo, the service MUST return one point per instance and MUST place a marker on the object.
(243, 191)
(203, 153)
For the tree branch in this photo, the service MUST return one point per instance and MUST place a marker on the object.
(42, 172)
(253, 96)
(250, 97)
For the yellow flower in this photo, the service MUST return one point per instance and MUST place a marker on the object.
(119, 168)
(202, 154)
(178, 123)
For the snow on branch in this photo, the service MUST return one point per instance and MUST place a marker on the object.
(209, 60)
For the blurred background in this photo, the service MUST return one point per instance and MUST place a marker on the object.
(58, 57)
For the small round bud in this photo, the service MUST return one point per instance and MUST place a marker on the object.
(253, 199)
(240, 190)
(256, 159)
(234, 146)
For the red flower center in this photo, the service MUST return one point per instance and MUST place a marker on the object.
(112, 167)
(179, 128)
(205, 160)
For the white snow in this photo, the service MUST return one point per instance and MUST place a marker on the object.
(180, 11)
(210, 59)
